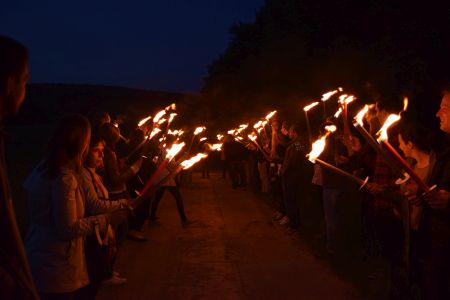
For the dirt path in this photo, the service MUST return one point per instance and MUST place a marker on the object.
(232, 250)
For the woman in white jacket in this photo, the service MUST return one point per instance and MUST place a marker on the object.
(57, 204)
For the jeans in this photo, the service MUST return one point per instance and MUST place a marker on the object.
(331, 199)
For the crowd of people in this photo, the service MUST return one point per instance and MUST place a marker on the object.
(81, 195)
(410, 228)
(84, 198)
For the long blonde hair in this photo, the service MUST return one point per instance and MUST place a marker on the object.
(68, 144)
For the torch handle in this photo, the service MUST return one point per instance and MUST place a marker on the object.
(359, 181)
(374, 144)
(405, 166)
(153, 188)
(152, 179)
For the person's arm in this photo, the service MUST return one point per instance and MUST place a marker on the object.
(116, 177)
(65, 192)
(95, 205)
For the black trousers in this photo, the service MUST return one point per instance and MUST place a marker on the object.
(176, 194)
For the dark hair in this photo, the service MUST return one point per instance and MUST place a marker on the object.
(390, 104)
(109, 133)
(13, 58)
(418, 135)
(446, 89)
(297, 128)
(67, 144)
(95, 140)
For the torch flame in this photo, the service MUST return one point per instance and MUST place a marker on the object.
(214, 147)
(219, 136)
(270, 115)
(203, 139)
(361, 114)
(161, 121)
(405, 103)
(317, 149)
(319, 145)
(199, 130)
(143, 121)
(172, 116)
(172, 106)
(382, 134)
(330, 129)
(116, 124)
(346, 99)
(252, 137)
(338, 113)
(257, 125)
(154, 132)
(242, 127)
(173, 151)
(173, 132)
(328, 95)
(231, 131)
(192, 161)
(308, 107)
(158, 116)
(340, 89)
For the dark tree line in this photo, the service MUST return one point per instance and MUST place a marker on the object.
(297, 49)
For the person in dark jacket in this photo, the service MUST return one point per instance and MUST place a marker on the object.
(291, 173)
(435, 227)
(15, 276)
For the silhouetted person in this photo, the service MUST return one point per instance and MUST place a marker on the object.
(15, 276)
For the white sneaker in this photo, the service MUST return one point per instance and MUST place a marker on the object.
(115, 280)
(284, 220)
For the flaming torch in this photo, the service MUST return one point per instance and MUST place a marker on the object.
(325, 98)
(359, 125)
(306, 109)
(186, 164)
(317, 149)
(253, 137)
(383, 140)
(345, 100)
(171, 153)
(270, 115)
(197, 131)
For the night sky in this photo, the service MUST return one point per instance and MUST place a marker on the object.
(150, 44)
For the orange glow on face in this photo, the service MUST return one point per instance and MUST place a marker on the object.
(382, 134)
(192, 161)
(308, 107)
